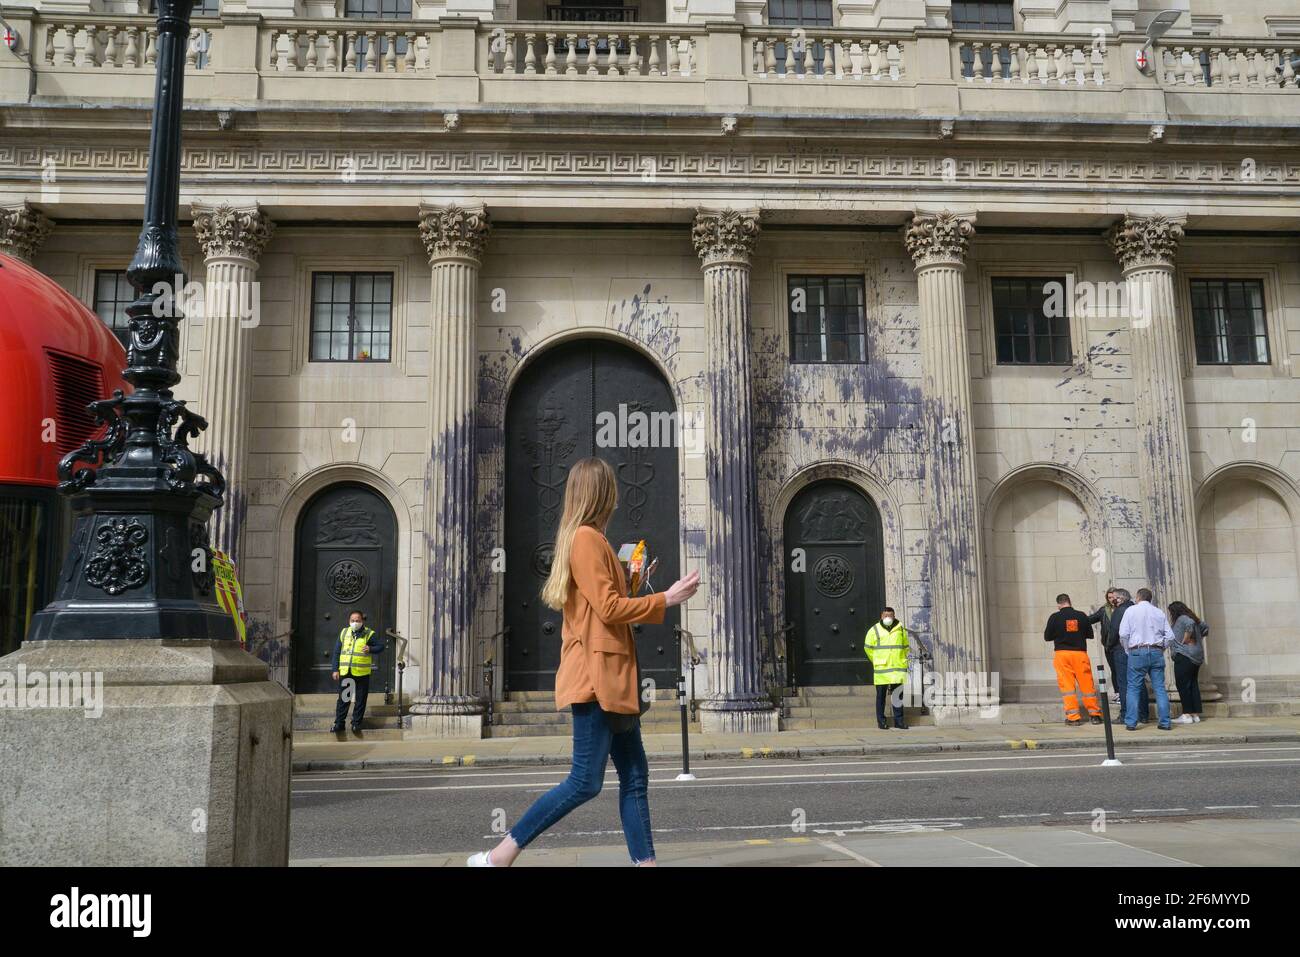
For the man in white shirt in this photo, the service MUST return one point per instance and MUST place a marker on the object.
(1145, 633)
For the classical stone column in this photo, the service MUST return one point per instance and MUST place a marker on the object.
(22, 230)
(938, 243)
(232, 239)
(737, 700)
(454, 237)
(1147, 249)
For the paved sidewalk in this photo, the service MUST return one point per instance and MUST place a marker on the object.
(1198, 843)
(357, 754)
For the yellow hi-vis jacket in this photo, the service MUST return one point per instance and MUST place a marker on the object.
(351, 659)
(887, 650)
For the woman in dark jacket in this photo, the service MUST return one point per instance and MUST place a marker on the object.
(1188, 653)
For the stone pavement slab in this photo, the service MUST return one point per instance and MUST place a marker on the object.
(353, 754)
(1193, 843)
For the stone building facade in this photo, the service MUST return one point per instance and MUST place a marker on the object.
(435, 246)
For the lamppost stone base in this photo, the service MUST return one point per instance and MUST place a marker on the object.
(187, 764)
(444, 726)
(738, 720)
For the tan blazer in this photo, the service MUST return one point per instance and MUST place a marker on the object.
(598, 657)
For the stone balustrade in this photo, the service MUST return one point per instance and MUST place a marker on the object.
(1010, 59)
(1232, 64)
(722, 68)
(779, 53)
(611, 50)
(345, 46)
(115, 43)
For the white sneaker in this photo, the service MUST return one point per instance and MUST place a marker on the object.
(1185, 719)
(1196, 719)
(481, 859)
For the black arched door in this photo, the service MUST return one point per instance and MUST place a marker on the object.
(834, 584)
(551, 422)
(346, 559)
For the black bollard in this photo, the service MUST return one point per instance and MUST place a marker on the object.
(1111, 761)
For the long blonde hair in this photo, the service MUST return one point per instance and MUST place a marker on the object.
(590, 495)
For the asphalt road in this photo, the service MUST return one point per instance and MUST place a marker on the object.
(764, 801)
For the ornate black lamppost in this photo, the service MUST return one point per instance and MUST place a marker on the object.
(139, 565)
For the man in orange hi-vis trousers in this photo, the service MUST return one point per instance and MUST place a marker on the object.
(1069, 632)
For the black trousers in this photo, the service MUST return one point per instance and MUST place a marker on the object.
(1189, 689)
(883, 694)
(353, 690)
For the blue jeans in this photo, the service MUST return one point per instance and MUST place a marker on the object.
(1119, 668)
(1143, 663)
(593, 746)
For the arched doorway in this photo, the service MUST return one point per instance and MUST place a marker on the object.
(1038, 548)
(345, 559)
(1250, 584)
(834, 584)
(551, 422)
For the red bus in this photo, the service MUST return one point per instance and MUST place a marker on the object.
(57, 358)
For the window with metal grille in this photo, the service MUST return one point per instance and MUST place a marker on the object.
(351, 316)
(1025, 332)
(112, 295)
(1229, 322)
(983, 15)
(77, 383)
(801, 13)
(827, 319)
(379, 10)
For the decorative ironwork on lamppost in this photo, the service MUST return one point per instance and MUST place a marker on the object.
(139, 564)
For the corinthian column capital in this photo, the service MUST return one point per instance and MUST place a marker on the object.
(239, 231)
(1145, 241)
(22, 230)
(454, 232)
(939, 238)
(725, 235)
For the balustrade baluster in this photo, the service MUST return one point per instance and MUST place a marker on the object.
(571, 58)
(313, 54)
(674, 53)
(110, 48)
(292, 59)
(508, 65)
(656, 68)
(633, 56)
(611, 63)
(131, 58)
(390, 54)
(350, 52)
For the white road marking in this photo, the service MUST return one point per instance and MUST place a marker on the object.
(761, 780)
(994, 850)
(380, 774)
(1040, 814)
(844, 850)
(1143, 850)
(1227, 807)
(1156, 810)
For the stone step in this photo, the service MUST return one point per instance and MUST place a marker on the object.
(317, 737)
(534, 730)
(323, 722)
(324, 704)
(820, 723)
(835, 691)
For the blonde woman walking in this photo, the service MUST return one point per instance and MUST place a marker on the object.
(598, 668)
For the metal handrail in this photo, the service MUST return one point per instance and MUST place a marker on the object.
(488, 662)
(694, 658)
(401, 671)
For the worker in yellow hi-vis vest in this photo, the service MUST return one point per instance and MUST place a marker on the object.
(886, 646)
(354, 654)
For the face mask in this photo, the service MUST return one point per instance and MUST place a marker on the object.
(887, 622)
(356, 626)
